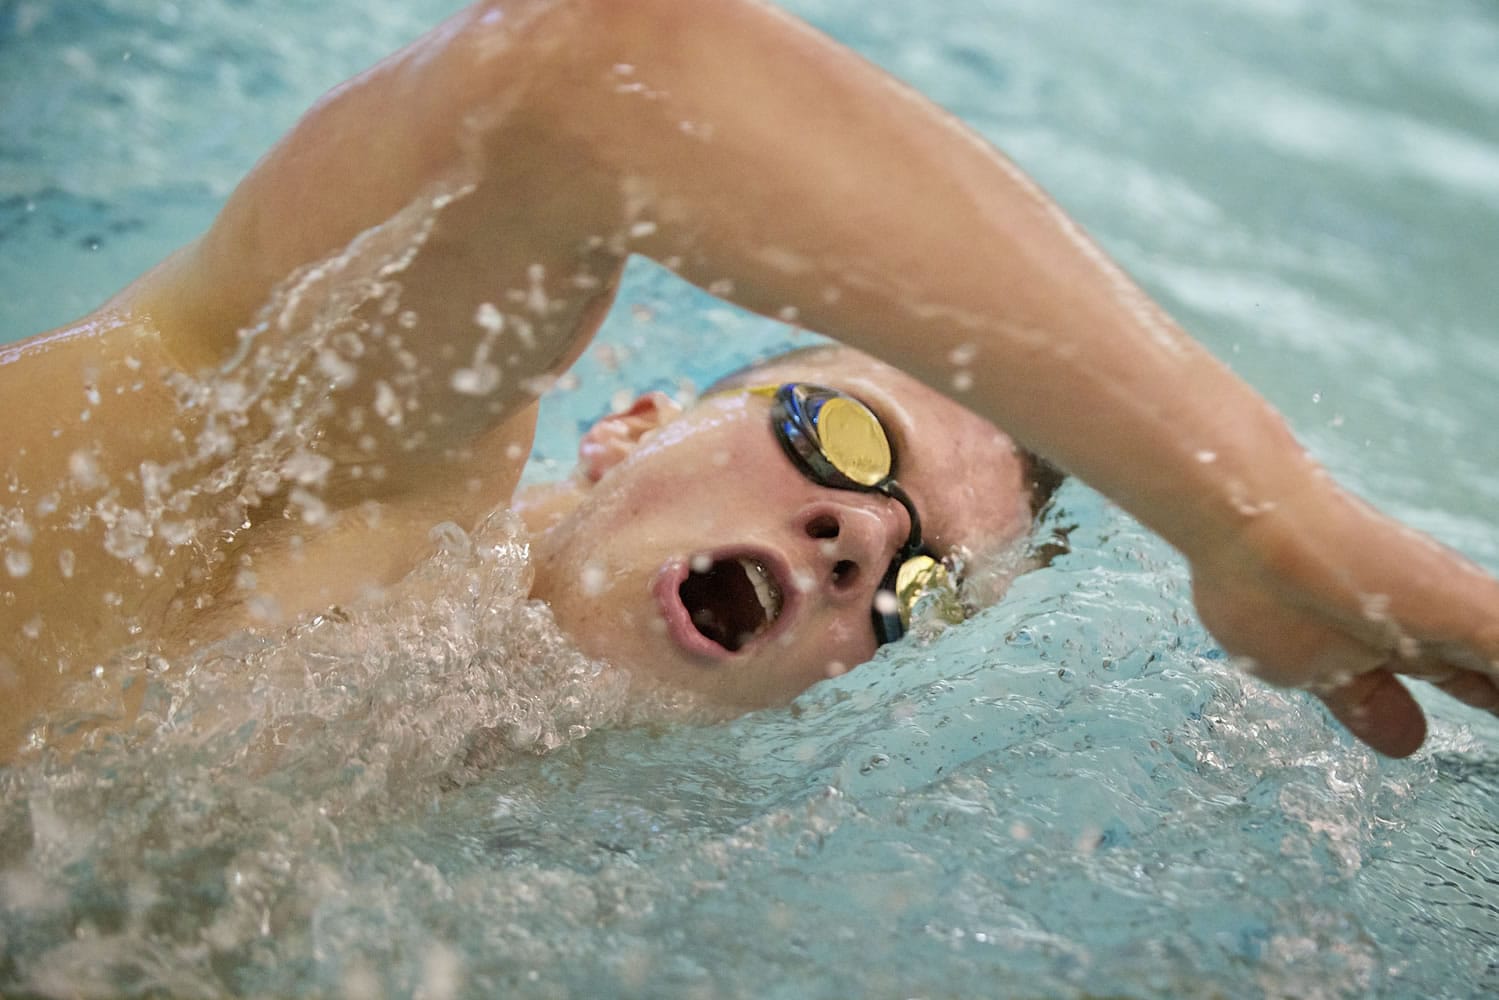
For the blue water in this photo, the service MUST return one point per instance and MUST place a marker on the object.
(1072, 795)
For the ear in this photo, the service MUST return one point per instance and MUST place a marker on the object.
(612, 438)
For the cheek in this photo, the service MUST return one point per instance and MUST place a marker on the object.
(989, 504)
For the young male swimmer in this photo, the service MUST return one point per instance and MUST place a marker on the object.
(454, 222)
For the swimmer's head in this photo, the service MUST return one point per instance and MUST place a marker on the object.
(691, 548)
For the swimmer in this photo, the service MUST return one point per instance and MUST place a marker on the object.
(452, 224)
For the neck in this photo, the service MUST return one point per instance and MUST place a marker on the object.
(543, 505)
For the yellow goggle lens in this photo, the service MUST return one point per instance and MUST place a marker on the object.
(853, 441)
(921, 576)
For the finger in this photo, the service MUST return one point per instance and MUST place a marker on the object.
(1456, 678)
(1378, 710)
(1472, 689)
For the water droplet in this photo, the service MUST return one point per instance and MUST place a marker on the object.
(306, 468)
(886, 603)
(593, 580)
(126, 538)
(962, 356)
(388, 404)
(18, 563)
(21, 532)
(478, 381)
(490, 319)
(314, 511)
(962, 381)
(340, 372)
(84, 470)
(701, 563)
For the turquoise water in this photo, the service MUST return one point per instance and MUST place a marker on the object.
(1072, 795)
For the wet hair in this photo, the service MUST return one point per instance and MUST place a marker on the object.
(1042, 478)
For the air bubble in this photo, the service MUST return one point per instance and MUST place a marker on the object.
(886, 603)
(701, 563)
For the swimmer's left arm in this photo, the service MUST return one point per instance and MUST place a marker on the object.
(782, 171)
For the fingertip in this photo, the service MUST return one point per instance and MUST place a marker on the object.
(1377, 709)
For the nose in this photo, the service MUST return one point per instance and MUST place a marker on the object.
(852, 541)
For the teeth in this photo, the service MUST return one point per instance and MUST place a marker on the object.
(765, 588)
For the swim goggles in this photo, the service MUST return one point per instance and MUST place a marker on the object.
(836, 441)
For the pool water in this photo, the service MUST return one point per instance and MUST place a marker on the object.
(1072, 795)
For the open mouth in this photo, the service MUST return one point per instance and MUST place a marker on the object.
(732, 602)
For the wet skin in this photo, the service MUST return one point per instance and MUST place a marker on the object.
(713, 485)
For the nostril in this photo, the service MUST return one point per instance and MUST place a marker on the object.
(845, 572)
(822, 526)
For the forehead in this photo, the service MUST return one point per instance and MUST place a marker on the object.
(964, 473)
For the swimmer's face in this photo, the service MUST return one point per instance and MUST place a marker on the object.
(706, 518)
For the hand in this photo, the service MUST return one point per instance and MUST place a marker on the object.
(1329, 595)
